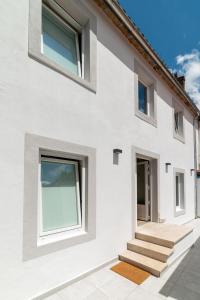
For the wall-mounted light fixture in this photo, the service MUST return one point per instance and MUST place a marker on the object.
(116, 153)
(167, 164)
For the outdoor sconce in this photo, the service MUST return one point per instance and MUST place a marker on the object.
(167, 166)
(116, 153)
(191, 171)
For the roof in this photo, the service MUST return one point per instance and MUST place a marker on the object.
(125, 25)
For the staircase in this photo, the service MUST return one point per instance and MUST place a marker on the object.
(157, 245)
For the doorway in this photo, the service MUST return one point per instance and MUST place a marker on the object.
(146, 187)
(143, 190)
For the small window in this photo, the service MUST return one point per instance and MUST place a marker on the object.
(60, 42)
(145, 92)
(143, 98)
(60, 195)
(178, 123)
(179, 192)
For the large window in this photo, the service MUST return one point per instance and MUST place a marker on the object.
(179, 192)
(143, 92)
(60, 195)
(60, 42)
(63, 36)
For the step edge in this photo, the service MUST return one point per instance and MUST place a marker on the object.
(126, 253)
(171, 250)
(150, 253)
(190, 230)
(149, 269)
(165, 243)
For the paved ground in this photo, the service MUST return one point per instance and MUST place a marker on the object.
(181, 281)
(184, 284)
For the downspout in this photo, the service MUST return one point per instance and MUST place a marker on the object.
(196, 118)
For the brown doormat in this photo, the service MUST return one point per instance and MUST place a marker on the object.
(131, 272)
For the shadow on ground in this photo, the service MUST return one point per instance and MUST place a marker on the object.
(184, 283)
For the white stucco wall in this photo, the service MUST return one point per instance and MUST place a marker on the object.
(35, 99)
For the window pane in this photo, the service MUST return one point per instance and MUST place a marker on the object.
(142, 93)
(182, 196)
(177, 191)
(59, 42)
(141, 184)
(181, 123)
(59, 197)
(176, 121)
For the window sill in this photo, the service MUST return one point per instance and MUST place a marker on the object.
(179, 212)
(50, 64)
(179, 138)
(146, 118)
(67, 235)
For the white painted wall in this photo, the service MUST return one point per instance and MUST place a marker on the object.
(198, 196)
(36, 99)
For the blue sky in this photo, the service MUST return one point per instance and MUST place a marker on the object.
(173, 29)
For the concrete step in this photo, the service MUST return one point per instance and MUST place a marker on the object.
(148, 264)
(149, 249)
(155, 240)
(166, 235)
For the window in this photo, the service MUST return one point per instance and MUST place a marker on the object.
(179, 193)
(60, 195)
(143, 98)
(145, 94)
(60, 42)
(178, 116)
(63, 37)
(178, 123)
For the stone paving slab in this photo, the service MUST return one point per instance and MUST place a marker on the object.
(184, 283)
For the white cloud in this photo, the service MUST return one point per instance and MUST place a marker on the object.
(189, 65)
(180, 59)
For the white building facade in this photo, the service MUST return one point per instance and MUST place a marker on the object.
(93, 139)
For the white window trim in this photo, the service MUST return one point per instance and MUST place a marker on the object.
(64, 234)
(54, 6)
(177, 107)
(40, 211)
(67, 25)
(178, 210)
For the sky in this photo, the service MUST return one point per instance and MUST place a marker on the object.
(173, 29)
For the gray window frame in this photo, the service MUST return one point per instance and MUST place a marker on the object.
(143, 76)
(78, 15)
(33, 244)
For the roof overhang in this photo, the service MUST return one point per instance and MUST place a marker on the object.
(119, 18)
